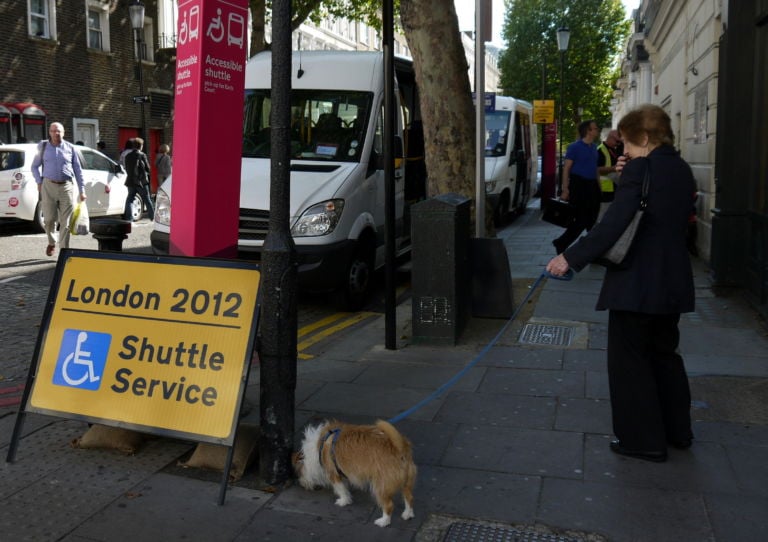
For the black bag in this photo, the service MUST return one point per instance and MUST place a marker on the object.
(558, 212)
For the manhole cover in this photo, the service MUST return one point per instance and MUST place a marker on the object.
(546, 334)
(475, 532)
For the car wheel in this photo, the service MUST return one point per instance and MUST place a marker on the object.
(137, 208)
(38, 221)
(359, 277)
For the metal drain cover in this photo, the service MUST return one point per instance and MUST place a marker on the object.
(474, 532)
(546, 334)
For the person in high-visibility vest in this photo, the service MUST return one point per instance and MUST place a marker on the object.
(608, 153)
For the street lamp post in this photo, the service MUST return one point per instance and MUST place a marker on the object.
(563, 35)
(136, 11)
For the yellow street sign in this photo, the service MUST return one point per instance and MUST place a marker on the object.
(543, 111)
(159, 344)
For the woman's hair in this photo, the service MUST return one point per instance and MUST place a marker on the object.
(164, 148)
(647, 120)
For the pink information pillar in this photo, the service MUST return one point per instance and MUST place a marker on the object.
(207, 134)
(548, 164)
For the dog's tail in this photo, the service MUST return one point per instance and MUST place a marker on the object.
(402, 444)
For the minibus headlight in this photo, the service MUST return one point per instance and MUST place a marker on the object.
(319, 219)
(490, 186)
(162, 208)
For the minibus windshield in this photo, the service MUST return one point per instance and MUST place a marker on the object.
(496, 132)
(326, 125)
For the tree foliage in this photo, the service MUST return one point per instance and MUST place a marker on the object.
(366, 11)
(532, 60)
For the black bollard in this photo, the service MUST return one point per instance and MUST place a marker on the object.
(110, 233)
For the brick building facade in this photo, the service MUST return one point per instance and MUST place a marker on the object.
(76, 60)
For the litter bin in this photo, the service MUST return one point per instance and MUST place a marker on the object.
(110, 233)
(440, 268)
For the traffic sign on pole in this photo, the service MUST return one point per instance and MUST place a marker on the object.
(543, 111)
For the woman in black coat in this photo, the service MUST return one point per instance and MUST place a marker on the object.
(650, 396)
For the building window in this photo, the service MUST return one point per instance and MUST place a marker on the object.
(98, 25)
(168, 15)
(147, 42)
(42, 18)
(364, 33)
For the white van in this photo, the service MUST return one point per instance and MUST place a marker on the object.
(511, 155)
(337, 176)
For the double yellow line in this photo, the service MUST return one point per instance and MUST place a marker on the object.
(325, 327)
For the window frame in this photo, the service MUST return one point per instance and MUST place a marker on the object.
(103, 14)
(48, 18)
(147, 41)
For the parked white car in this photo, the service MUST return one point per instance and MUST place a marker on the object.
(104, 184)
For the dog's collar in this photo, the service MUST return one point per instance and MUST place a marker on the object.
(335, 433)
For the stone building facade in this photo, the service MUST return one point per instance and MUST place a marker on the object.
(705, 63)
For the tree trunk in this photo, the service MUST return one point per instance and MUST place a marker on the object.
(258, 17)
(432, 30)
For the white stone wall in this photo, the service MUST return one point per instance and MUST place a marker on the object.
(681, 76)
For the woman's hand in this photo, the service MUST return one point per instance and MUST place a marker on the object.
(558, 266)
(621, 162)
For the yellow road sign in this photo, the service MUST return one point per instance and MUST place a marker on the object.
(159, 344)
(543, 111)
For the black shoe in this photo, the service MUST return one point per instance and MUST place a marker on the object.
(656, 457)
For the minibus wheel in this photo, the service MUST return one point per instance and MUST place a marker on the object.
(359, 276)
(502, 210)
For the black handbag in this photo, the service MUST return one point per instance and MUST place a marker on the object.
(558, 212)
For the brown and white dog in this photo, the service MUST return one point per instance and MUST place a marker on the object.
(376, 457)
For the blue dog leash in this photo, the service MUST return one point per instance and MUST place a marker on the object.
(455, 378)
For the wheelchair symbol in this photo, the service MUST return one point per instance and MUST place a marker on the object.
(79, 357)
(216, 28)
(82, 358)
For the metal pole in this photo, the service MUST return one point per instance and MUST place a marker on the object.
(139, 58)
(479, 121)
(390, 299)
(560, 127)
(279, 328)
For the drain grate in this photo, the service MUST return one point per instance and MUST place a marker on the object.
(546, 334)
(473, 532)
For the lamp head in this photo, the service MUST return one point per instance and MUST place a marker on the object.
(563, 35)
(136, 11)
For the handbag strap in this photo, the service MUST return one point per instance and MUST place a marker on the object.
(646, 184)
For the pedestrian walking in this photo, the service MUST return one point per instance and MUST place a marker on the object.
(650, 395)
(137, 180)
(56, 167)
(580, 186)
(163, 163)
(126, 149)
